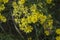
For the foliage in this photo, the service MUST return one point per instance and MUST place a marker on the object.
(29, 19)
(7, 37)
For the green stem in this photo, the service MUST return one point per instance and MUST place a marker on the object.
(1, 28)
(36, 33)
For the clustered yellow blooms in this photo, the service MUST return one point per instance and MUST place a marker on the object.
(2, 7)
(19, 9)
(4, 1)
(48, 25)
(49, 1)
(58, 31)
(58, 37)
(23, 18)
(2, 18)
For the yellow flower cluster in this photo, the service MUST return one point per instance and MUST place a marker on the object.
(58, 38)
(19, 9)
(4, 1)
(25, 27)
(2, 18)
(58, 31)
(24, 18)
(33, 18)
(48, 25)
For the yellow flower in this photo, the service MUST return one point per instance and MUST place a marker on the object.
(5, 1)
(49, 16)
(25, 11)
(58, 38)
(2, 7)
(49, 1)
(33, 7)
(22, 8)
(34, 19)
(42, 18)
(58, 31)
(28, 29)
(50, 22)
(17, 20)
(29, 19)
(24, 23)
(2, 18)
(0, 0)
(29, 38)
(23, 20)
(15, 5)
(22, 27)
(21, 1)
(47, 32)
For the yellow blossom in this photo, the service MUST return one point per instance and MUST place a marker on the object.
(5, 1)
(29, 19)
(57, 37)
(2, 7)
(28, 29)
(50, 22)
(33, 7)
(2, 18)
(22, 27)
(29, 38)
(47, 32)
(17, 20)
(23, 20)
(34, 19)
(42, 19)
(49, 1)
(58, 31)
(0, 0)
(21, 1)
(15, 5)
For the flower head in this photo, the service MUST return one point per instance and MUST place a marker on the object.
(58, 31)
(58, 38)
